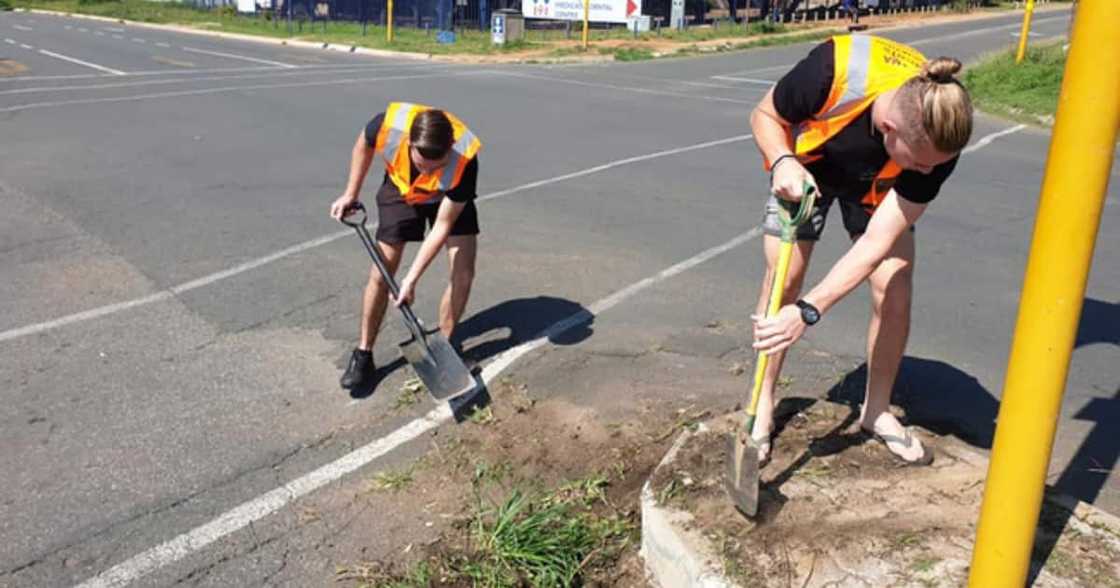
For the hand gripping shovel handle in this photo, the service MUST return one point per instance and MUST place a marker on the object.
(742, 475)
(789, 223)
(355, 216)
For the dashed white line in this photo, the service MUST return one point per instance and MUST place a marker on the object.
(121, 37)
(109, 70)
(68, 27)
(83, 29)
(138, 40)
(241, 57)
(99, 33)
(10, 41)
(25, 46)
(21, 28)
(164, 45)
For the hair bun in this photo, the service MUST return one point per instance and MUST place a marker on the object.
(941, 70)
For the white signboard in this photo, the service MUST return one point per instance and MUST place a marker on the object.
(619, 11)
(246, 5)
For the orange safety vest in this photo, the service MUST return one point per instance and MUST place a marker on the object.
(394, 144)
(865, 67)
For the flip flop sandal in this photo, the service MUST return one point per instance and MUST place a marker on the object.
(924, 460)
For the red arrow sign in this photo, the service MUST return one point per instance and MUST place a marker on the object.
(630, 7)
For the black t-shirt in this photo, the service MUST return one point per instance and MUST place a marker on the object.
(854, 156)
(465, 191)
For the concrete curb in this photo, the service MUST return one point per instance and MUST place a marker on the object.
(678, 556)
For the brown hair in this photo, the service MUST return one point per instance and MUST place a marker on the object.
(431, 134)
(937, 106)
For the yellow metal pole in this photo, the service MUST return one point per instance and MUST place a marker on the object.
(1073, 192)
(586, 20)
(389, 21)
(1025, 31)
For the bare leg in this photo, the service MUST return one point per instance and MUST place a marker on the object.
(764, 423)
(461, 253)
(376, 297)
(891, 285)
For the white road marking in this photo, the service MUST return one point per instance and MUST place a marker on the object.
(219, 90)
(306, 245)
(108, 70)
(746, 80)
(240, 57)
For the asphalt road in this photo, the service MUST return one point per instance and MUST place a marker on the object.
(175, 303)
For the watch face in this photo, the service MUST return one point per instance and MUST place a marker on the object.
(808, 313)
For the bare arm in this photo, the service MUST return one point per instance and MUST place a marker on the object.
(894, 216)
(448, 213)
(770, 129)
(361, 157)
(771, 133)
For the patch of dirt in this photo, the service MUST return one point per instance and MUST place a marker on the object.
(539, 447)
(837, 507)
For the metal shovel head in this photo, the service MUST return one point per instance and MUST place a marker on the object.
(741, 477)
(437, 365)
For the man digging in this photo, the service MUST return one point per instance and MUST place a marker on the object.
(877, 128)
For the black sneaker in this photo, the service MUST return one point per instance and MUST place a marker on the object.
(360, 370)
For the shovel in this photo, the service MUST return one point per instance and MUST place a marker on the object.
(433, 358)
(742, 475)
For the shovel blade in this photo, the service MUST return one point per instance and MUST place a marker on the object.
(741, 476)
(438, 366)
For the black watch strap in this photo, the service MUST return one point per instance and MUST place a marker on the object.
(810, 315)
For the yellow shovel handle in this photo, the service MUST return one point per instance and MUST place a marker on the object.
(777, 288)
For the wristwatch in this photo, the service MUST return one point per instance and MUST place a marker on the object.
(809, 313)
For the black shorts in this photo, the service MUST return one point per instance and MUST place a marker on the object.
(398, 222)
(856, 216)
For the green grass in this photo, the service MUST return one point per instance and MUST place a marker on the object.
(1025, 91)
(393, 481)
(409, 393)
(542, 540)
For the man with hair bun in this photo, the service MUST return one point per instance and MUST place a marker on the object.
(431, 181)
(874, 126)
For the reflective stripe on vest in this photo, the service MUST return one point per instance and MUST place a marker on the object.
(394, 144)
(865, 67)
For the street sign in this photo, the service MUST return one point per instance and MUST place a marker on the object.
(617, 11)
